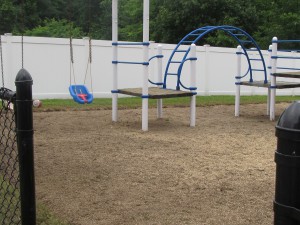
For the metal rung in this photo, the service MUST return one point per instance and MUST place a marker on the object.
(285, 57)
(194, 34)
(172, 74)
(180, 50)
(239, 34)
(287, 68)
(245, 41)
(131, 43)
(258, 70)
(288, 50)
(255, 59)
(187, 41)
(175, 61)
(229, 29)
(286, 41)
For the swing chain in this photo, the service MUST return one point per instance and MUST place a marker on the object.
(1, 61)
(22, 43)
(90, 49)
(71, 50)
(22, 30)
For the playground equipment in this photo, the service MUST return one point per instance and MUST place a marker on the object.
(284, 72)
(183, 52)
(80, 92)
(145, 92)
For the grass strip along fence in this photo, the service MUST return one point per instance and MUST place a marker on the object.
(135, 102)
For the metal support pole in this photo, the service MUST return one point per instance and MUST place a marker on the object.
(273, 78)
(238, 81)
(24, 128)
(269, 77)
(115, 58)
(159, 79)
(193, 84)
(145, 67)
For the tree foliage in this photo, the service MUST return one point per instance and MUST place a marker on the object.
(170, 20)
(56, 28)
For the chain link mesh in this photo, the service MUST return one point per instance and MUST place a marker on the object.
(10, 212)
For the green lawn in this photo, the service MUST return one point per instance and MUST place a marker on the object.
(129, 102)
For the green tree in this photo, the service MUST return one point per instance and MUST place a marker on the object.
(7, 15)
(56, 28)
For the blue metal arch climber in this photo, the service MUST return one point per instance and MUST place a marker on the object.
(247, 43)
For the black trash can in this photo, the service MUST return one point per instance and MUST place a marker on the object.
(287, 158)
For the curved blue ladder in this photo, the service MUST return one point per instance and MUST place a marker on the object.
(244, 39)
(81, 94)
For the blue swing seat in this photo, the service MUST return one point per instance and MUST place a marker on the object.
(80, 94)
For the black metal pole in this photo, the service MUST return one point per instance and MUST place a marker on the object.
(287, 158)
(24, 126)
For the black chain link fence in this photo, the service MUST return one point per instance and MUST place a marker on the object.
(10, 212)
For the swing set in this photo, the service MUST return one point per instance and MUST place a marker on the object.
(80, 92)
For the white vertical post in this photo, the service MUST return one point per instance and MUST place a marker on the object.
(146, 68)
(193, 84)
(9, 62)
(238, 80)
(273, 78)
(159, 80)
(207, 70)
(269, 77)
(115, 58)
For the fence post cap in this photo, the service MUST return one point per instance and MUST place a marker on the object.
(288, 125)
(23, 76)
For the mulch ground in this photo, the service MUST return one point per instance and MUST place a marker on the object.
(91, 171)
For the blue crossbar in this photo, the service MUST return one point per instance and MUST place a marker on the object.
(180, 50)
(285, 41)
(255, 59)
(126, 62)
(131, 43)
(288, 50)
(285, 57)
(155, 83)
(242, 41)
(156, 56)
(257, 69)
(287, 68)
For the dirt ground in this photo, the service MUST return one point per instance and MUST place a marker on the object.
(91, 171)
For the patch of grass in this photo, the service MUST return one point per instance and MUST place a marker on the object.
(135, 102)
(9, 199)
(45, 217)
(10, 207)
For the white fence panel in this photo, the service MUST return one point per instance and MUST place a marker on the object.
(48, 61)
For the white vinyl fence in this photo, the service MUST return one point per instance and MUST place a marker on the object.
(48, 61)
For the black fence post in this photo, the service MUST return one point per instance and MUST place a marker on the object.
(287, 158)
(24, 126)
